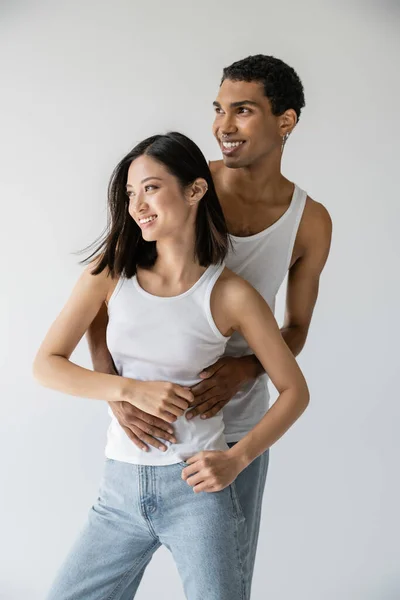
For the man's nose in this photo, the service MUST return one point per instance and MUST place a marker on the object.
(228, 125)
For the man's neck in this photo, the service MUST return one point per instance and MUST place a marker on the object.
(261, 182)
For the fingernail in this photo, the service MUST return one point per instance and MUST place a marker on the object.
(203, 417)
(189, 416)
(173, 441)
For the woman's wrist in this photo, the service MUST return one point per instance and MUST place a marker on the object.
(126, 390)
(239, 455)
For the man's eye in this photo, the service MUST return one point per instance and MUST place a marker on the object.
(243, 109)
(218, 111)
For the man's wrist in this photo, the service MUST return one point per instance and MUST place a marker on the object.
(253, 367)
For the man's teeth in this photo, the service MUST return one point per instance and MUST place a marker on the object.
(231, 144)
(148, 219)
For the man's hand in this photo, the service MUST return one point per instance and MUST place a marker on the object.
(142, 428)
(221, 382)
(212, 471)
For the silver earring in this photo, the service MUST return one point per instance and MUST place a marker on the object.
(284, 140)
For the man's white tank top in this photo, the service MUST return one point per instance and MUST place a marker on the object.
(153, 338)
(263, 260)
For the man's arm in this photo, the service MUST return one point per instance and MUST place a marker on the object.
(304, 276)
(141, 428)
(227, 375)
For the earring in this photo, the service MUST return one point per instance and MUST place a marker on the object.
(284, 140)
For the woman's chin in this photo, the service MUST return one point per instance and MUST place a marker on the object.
(149, 237)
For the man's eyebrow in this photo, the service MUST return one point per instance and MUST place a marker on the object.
(145, 179)
(236, 104)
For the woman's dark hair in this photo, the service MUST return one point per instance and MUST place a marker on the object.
(122, 248)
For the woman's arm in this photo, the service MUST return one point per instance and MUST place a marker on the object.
(239, 307)
(52, 367)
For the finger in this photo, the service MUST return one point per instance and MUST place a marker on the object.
(135, 439)
(154, 432)
(201, 408)
(204, 486)
(179, 402)
(168, 416)
(202, 387)
(173, 409)
(196, 479)
(215, 409)
(189, 471)
(155, 422)
(193, 459)
(212, 369)
(214, 394)
(183, 392)
(150, 441)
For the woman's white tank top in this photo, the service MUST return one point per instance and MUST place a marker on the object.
(153, 338)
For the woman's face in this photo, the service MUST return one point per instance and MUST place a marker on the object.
(156, 200)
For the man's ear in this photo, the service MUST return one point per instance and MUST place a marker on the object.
(196, 191)
(287, 122)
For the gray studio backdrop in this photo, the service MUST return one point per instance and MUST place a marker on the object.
(81, 82)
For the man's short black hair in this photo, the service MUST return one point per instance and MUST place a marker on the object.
(282, 85)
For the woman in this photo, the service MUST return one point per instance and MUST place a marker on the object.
(172, 307)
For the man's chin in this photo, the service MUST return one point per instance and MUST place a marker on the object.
(232, 162)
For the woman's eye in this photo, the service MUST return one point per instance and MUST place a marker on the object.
(150, 187)
(130, 194)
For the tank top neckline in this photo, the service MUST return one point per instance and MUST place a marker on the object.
(268, 230)
(179, 296)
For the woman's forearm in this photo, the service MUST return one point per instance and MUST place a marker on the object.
(59, 373)
(279, 418)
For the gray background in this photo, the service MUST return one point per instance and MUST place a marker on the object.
(81, 83)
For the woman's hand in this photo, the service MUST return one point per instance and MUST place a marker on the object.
(162, 399)
(212, 471)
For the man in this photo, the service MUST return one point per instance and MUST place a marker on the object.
(275, 228)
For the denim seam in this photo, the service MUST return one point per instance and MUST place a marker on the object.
(134, 566)
(239, 555)
(142, 504)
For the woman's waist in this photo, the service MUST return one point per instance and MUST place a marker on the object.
(191, 437)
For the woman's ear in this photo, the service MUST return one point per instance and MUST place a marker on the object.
(196, 191)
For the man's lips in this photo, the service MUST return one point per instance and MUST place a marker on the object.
(229, 147)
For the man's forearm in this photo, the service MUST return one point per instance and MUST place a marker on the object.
(295, 338)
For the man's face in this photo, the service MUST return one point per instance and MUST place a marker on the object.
(244, 125)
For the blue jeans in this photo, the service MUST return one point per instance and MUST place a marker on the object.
(138, 509)
(249, 485)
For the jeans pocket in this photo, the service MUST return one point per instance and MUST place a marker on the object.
(237, 507)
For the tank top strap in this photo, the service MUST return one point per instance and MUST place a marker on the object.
(214, 276)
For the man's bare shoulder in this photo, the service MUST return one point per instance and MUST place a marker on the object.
(215, 165)
(316, 224)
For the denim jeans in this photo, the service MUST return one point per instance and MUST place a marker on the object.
(140, 508)
(249, 485)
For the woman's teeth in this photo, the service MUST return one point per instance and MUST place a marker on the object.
(147, 219)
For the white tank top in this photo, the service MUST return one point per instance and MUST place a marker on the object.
(263, 260)
(152, 338)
